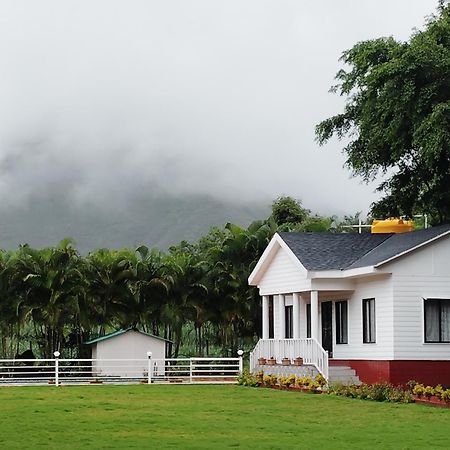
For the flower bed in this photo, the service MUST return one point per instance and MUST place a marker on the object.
(429, 395)
(290, 382)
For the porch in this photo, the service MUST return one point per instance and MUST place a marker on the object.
(311, 352)
(303, 325)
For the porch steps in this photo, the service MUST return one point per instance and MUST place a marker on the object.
(342, 375)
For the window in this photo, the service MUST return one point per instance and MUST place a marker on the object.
(288, 314)
(437, 320)
(308, 320)
(341, 322)
(368, 320)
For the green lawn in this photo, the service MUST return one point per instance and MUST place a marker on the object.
(213, 417)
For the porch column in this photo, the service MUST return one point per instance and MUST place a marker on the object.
(281, 317)
(296, 314)
(265, 317)
(315, 315)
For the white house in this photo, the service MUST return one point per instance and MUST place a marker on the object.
(124, 353)
(378, 303)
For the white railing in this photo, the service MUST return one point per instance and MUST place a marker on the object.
(59, 371)
(308, 349)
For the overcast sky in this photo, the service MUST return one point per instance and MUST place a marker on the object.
(102, 99)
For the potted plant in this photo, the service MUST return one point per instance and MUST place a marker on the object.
(261, 361)
(298, 361)
(271, 361)
(286, 362)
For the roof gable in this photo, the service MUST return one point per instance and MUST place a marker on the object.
(120, 332)
(275, 245)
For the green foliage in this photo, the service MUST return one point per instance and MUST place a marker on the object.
(428, 391)
(270, 380)
(288, 211)
(246, 378)
(286, 381)
(379, 392)
(320, 380)
(303, 381)
(419, 390)
(196, 295)
(397, 116)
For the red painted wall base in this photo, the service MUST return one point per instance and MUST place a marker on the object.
(399, 372)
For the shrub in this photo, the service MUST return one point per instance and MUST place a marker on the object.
(446, 395)
(303, 381)
(428, 392)
(269, 380)
(438, 391)
(320, 380)
(313, 385)
(259, 377)
(379, 392)
(419, 390)
(247, 379)
(411, 384)
(286, 381)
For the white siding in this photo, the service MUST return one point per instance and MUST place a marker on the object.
(283, 276)
(422, 274)
(381, 290)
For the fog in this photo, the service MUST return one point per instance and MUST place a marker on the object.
(104, 102)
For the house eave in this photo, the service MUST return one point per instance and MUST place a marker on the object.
(342, 274)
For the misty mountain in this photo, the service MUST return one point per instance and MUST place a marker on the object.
(154, 221)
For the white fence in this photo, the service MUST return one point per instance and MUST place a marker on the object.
(308, 349)
(116, 371)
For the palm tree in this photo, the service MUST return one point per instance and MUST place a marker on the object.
(50, 283)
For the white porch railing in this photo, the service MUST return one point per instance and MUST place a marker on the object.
(308, 349)
(58, 371)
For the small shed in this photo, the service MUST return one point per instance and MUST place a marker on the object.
(124, 353)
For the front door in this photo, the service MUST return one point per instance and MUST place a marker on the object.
(327, 327)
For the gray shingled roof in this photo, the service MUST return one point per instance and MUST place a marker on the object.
(338, 251)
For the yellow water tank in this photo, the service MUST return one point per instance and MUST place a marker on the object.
(392, 226)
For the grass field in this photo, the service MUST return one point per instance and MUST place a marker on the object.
(213, 417)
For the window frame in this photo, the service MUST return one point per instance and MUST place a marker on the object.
(440, 301)
(368, 319)
(341, 338)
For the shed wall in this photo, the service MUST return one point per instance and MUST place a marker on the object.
(130, 345)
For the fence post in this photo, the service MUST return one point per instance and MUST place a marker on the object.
(190, 370)
(241, 361)
(56, 355)
(150, 368)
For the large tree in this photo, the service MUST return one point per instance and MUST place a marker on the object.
(397, 118)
